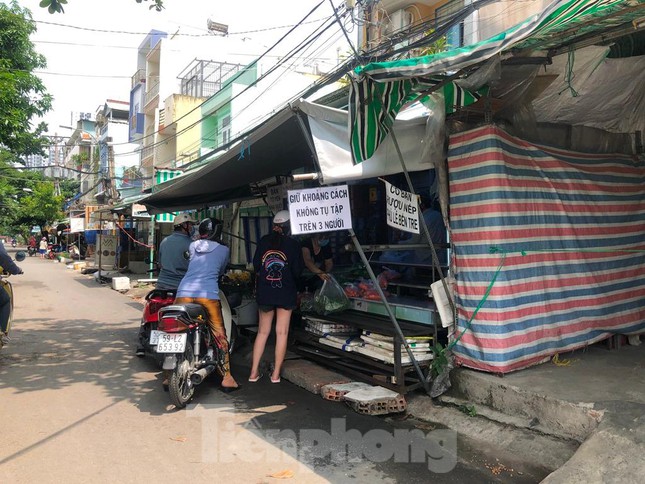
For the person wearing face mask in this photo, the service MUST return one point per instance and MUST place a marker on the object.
(173, 259)
(318, 258)
(173, 253)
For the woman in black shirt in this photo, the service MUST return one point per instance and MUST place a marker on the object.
(318, 258)
(278, 264)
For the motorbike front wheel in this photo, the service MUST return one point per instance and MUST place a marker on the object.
(180, 387)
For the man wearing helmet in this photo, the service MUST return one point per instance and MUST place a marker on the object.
(208, 260)
(173, 261)
(173, 253)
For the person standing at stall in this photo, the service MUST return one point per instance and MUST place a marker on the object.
(318, 258)
(278, 263)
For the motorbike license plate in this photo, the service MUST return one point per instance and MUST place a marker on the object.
(171, 342)
(154, 337)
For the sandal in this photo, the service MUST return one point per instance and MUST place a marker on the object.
(230, 389)
(275, 381)
(254, 380)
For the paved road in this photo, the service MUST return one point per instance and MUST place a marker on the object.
(77, 406)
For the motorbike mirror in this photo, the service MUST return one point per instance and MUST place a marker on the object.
(20, 255)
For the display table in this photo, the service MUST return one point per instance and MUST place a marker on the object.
(416, 319)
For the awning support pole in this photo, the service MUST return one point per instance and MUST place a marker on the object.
(151, 243)
(426, 232)
(390, 313)
(100, 238)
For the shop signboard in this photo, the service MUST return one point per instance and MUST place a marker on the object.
(322, 209)
(275, 194)
(402, 209)
(76, 224)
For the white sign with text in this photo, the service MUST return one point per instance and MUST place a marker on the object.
(77, 224)
(402, 209)
(321, 209)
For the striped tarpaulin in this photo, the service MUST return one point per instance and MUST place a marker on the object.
(162, 176)
(562, 235)
(376, 87)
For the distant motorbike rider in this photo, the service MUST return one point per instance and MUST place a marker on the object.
(8, 265)
(173, 260)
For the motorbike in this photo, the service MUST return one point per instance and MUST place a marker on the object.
(14, 243)
(161, 298)
(52, 251)
(32, 251)
(5, 285)
(184, 340)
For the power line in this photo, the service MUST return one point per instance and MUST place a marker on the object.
(153, 145)
(106, 31)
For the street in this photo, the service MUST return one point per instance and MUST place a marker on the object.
(78, 406)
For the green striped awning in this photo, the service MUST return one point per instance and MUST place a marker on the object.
(162, 176)
(379, 90)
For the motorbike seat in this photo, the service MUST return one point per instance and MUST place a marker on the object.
(161, 293)
(194, 311)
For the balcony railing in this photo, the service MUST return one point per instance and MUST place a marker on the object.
(138, 78)
(147, 152)
(162, 119)
(151, 93)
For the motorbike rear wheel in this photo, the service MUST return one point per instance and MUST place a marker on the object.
(180, 387)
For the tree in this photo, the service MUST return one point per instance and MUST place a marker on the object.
(26, 198)
(23, 95)
(42, 206)
(56, 6)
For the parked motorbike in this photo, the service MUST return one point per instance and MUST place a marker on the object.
(52, 251)
(5, 285)
(160, 298)
(14, 243)
(32, 251)
(189, 354)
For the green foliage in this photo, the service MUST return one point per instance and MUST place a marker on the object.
(440, 361)
(469, 410)
(26, 198)
(69, 188)
(56, 6)
(41, 207)
(440, 45)
(23, 95)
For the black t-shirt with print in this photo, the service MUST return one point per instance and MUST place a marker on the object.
(278, 266)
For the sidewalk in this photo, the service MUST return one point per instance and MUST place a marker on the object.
(538, 417)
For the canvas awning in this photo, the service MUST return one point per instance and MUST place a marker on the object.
(276, 147)
(419, 132)
(379, 90)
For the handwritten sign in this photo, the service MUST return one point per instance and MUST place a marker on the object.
(321, 209)
(402, 209)
(275, 194)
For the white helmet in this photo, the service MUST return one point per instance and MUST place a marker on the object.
(182, 218)
(282, 217)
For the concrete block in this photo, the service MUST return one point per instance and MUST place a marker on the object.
(120, 283)
(375, 401)
(336, 391)
(310, 376)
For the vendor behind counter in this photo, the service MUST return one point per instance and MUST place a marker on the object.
(319, 260)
